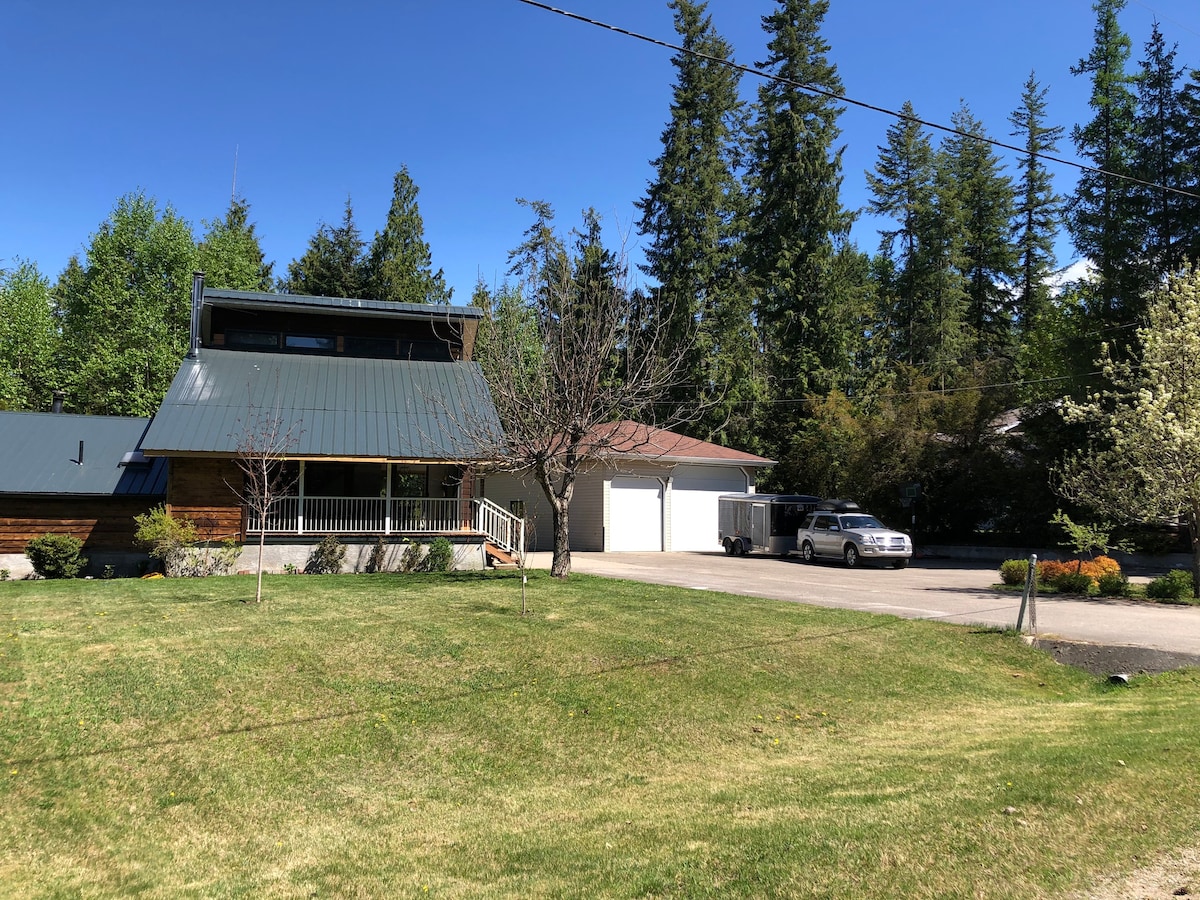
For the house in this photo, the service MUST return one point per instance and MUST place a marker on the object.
(77, 475)
(387, 419)
(390, 432)
(648, 489)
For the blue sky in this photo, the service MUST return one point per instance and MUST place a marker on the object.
(485, 101)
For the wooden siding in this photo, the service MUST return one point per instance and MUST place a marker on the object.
(102, 523)
(201, 490)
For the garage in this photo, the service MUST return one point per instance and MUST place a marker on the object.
(694, 492)
(635, 518)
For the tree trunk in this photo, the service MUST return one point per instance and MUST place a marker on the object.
(262, 539)
(1194, 534)
(560, 567)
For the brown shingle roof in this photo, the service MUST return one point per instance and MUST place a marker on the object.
(628, 438)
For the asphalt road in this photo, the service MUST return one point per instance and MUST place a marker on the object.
(945, 590)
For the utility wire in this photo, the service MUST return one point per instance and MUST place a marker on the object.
(842, 98)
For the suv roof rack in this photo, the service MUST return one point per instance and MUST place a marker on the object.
(839, 506)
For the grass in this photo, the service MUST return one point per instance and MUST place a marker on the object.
(391, 736)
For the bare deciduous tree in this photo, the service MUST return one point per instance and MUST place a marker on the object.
(570, 354)
(262, 447)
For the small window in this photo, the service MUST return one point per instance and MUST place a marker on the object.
(370, 347)
(252, 340)
(310, 342)
(517, 508)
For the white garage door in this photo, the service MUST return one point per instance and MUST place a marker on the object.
(635, 513)
(694, 492)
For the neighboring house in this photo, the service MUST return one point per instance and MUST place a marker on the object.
(78, 475)
(649, 489)
(387, 417)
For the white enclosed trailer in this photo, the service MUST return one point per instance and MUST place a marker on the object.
(761, 523)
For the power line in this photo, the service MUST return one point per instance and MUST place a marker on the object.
(842, 98)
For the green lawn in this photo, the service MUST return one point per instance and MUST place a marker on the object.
(391, 736)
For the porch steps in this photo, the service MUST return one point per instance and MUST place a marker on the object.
(498, 557)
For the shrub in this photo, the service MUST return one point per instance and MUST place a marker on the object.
(166, 538)
(1014, 571)
(440, 556)
(1113, 585)
(377, 561)
(327, 557)
(199, 562)
(411, 560)
(1054, 571)
(1175, 585)
(1074, 583)
(56, 555)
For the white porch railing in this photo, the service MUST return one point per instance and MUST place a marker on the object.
(380, 515)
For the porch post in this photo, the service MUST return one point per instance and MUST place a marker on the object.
(300, 501)
(387, 499)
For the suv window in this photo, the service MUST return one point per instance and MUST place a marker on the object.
(822, 523)
(807, 523)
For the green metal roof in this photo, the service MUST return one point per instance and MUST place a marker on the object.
(40, 455)
(351, 305)
(336, 406)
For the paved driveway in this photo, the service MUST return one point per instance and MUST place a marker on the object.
(928, 589)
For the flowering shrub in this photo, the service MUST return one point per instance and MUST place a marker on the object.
(1052, 571)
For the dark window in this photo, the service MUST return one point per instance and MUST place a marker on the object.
(344, 480)
(310, 342)
(252, 340)
(410, 482)
(370, 347)
(807, 523)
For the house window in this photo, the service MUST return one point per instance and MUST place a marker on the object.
(410, 481)
(252, 340)
(517, 508)
(370, 347)
(310, 342)
(345, 479)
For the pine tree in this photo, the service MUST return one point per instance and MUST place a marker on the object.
(332, 266)
(398, 265)
(1189, 101)
(126, 310)
(1160, 135)
(1038, 209)
(797, 223)
(693, 213)
(230, 254)
(1102, 216)
(989, 256)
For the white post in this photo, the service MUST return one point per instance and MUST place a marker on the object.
(300, 501)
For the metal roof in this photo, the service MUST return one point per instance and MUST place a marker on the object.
(335, 406)
(390, 309)
(39, 454)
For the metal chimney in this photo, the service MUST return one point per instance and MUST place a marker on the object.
(197, 299)
(56, 405)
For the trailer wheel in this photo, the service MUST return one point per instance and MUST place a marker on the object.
(739, 549)
(728, 547)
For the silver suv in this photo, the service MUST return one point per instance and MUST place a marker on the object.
(838, 529)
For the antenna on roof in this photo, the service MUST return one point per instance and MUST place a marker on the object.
(233, 192)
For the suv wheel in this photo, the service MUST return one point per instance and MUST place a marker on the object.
(808, 552)
(851, 556)
(900, 563)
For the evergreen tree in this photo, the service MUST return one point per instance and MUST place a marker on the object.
(921, 315)
(398, 265)
(1038, 209)
(1102, 215)
(332, 266)
(1160, 136)
(126, 310)
(989, 256)
(693, 215)
(28, 339)
(1189, 101)
(797, 223)
(230, 254)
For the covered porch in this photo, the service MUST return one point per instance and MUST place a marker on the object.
(386, 499)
